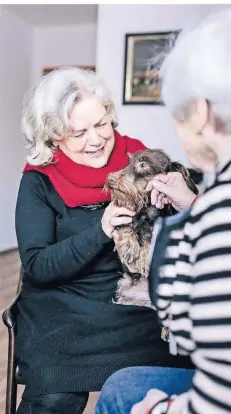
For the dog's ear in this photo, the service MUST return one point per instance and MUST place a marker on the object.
(129, 155)
(177, 167)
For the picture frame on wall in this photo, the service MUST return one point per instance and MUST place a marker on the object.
(144, 55)
(48, 69)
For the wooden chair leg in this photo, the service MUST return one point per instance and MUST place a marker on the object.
(11, 386)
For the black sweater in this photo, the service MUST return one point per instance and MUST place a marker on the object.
(70, 335)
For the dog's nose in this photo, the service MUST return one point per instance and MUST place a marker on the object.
(142, 164)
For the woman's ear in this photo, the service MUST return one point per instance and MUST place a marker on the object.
(199, 117)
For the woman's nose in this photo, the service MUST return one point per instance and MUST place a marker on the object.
(94, 138)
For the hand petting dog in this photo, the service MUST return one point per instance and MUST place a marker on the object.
(170, 188)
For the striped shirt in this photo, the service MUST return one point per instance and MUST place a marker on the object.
(194, 296)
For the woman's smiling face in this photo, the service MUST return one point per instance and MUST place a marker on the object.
(92, 140)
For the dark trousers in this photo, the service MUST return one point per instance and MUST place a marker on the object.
(61, 403)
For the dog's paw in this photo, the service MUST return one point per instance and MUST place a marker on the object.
(165, 334)
(143, 262)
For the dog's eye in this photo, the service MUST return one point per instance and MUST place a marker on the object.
(142, 163)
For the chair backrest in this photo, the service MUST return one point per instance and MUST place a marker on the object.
(19, 287)
(10, 314)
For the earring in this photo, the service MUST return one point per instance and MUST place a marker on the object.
(49, 143)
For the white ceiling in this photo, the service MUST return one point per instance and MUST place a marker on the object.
(55, 14)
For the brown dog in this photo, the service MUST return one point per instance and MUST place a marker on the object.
(128, 190)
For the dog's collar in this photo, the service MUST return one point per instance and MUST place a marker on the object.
(134, 276)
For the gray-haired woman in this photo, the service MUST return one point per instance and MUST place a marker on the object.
(190, 277)
(70, 335)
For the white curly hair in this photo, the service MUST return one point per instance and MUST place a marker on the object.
(199, 67)
(47, 108)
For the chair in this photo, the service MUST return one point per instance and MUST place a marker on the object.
(13, 375)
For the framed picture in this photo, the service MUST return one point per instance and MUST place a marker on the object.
(144, 55)
(48, 69)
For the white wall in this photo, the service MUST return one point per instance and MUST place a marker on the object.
(24, 51)
(64, 45)
(150, 123)
(16, 45)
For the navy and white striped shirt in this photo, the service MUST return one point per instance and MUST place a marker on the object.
(194, 296)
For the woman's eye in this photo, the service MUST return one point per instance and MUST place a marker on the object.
(100, 125)
(83, 133)
(79, 135)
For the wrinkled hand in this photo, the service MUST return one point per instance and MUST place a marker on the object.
(152, 398)
(171, 189)
(115, 216)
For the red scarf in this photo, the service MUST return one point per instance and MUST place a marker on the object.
(78, 184)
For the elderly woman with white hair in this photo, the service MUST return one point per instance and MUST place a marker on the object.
(70, 335)
(190, 275)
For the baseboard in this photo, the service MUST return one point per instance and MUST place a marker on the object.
(3, 252)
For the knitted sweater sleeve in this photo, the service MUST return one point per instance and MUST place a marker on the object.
(44, 259)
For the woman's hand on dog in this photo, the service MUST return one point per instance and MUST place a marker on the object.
(151, 399)
(115, 216)
(171, 189)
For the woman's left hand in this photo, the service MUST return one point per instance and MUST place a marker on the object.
(152, 398)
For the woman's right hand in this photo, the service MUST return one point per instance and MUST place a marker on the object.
(171, 189)
(115, 216)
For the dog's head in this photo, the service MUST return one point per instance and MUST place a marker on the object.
(128, 185)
